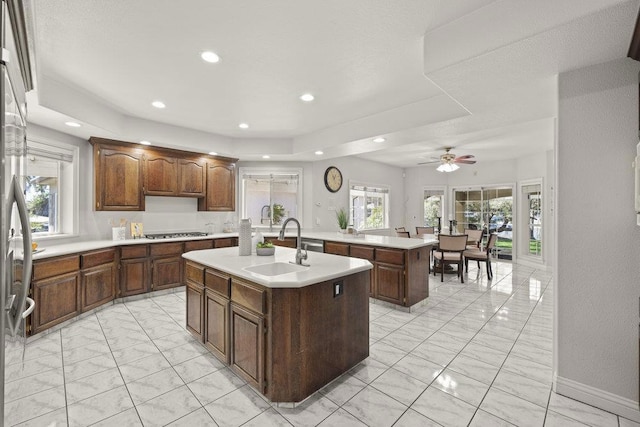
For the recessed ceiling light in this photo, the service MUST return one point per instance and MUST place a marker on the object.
(158, 104)
(319, 153)
(213, 153)
(266, 156)
(73, 124)
(145, 143)
(209, 56)
(379, 140)
(243, 126)
(307, 97)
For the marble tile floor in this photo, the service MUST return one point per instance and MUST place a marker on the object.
(476, 354)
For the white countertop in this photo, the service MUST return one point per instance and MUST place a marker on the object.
(322, 267)
(372, 239)
(365, 239)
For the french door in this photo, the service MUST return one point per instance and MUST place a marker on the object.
(489, 209)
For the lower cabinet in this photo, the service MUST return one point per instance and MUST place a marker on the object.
(399, 276)
(57, 300)
(98, 278)
(98, 286)
(217, 324)
(247, 345)
(134, 276)
(195, 299)
(390, 286)
(166, 273)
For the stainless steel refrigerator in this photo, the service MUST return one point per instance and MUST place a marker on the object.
(15, 242)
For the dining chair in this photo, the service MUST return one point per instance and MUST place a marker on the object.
(475, 237)
(482, 255)
(425, 230)
(402, 234)
(449, 251)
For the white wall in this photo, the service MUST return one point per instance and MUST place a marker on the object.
(598, 253)
(360, 170)
(181, 213)
(507, 172)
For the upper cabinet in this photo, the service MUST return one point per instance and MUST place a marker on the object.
(221, 187)
(125, 173)
(192, 177)
(160, 175)
(118, 178)
(172, 176)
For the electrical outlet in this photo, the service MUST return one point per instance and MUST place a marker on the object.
(337, 289)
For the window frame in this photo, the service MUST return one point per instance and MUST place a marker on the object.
(443, 204)
(68, 185)
(248, 170)
(386, 191)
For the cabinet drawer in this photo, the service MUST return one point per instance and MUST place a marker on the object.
(249, 296)
(217, 281)
(197, 245)
(162, 249)
(390, 256)
(194, 273)
(55, 266)
(226, 242)
(133, 251)
(92, 259)
(336, 248)
(364, 252)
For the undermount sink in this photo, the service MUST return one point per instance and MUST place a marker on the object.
(275, 268)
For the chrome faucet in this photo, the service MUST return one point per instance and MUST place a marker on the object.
(299, 256)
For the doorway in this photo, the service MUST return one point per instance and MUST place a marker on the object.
(489, 209)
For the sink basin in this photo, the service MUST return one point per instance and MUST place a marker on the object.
(275, 268)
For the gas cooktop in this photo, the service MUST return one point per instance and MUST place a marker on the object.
(174, 235)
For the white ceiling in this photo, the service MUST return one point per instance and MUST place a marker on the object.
(478, 75)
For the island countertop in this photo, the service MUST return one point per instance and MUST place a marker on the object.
(322, 267)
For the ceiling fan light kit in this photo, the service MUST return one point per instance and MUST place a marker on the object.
(448, 161)
(447, 167)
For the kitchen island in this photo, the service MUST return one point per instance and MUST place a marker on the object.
(287, 329)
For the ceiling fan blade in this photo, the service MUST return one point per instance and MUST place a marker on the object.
(465, 157)
(464, 162)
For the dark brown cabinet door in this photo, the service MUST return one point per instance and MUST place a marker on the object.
(368, 253)
(221, 187)
(118, 180)
(134, 276)
(191, 178)
(217, 325)
(390, 282)
(57, 300)
(195, 311)
(97, 286)
(166, 273)
(247, 346)
(160, 175)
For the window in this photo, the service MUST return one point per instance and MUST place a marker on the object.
(433, 203)
(268, 197)
(50, 189)
(532, 194)
(368, 206)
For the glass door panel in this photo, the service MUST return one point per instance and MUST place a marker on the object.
(499, 209)
(532, 194)
(468, 210)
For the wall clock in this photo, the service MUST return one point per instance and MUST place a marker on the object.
(333, 179)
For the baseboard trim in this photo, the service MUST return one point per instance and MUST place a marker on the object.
(601, 399)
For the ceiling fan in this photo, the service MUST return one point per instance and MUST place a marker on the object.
(448, 161)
